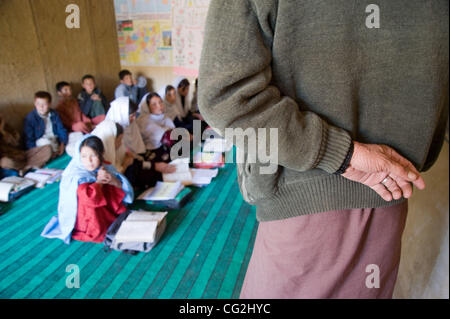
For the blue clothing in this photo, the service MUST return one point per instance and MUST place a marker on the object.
(7, 172)
(86, 103)
(134, 92)
(34, 128)
(61, 226)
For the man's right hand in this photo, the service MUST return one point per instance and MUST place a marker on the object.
(384, 170)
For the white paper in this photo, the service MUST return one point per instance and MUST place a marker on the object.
(136, 231)
(40, 179)
(5, 188)
(181, 165)
(184, 178)
(162, 191)
(146, 216)
(203, 176)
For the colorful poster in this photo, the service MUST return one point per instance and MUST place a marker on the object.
(161, 33)
(143, 9)
(188, 23)
(145, 42)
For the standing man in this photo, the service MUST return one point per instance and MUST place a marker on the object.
(360, 108)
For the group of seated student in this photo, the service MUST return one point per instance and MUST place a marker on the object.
(127, 151)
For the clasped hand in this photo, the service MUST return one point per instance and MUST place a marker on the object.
(384, 170)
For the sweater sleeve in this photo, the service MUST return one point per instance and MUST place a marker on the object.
(236, 90)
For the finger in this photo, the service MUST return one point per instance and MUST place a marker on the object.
(382, 191)
(392, 186)
(405, 186)
(413, 174)
(403, 161)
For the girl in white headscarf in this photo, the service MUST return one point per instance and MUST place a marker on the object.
(141, 173)
(155, 123)
(111, 134)
(123, 111)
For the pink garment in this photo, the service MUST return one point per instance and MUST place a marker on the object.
(325, 255)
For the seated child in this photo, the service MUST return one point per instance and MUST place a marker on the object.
(183, 101)
(43, 126)
(69, 110)
(93, 103)
(92, 195)
(13, 159)
(128, 87)
(170, 103)
(142, 173)
(111, 134)
(154, 124)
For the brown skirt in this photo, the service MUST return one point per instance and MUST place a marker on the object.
(353, 253)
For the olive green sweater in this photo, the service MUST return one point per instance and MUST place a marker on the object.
(315, 71)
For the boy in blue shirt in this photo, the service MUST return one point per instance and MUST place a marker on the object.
(129, 87)
(43, 126)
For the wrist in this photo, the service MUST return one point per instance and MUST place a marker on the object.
(347, 161)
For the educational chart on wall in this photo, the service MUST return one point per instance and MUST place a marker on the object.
(142, 9)
(161, 33)
(188, 24)
(145, 42)
(144, 32)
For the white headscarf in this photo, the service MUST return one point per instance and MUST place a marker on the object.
(119, 113)
(143, 107)
(153, 127)
(107, 132)
(61, 225)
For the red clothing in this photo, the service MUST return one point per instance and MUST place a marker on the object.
(98, 207)
(73, 119)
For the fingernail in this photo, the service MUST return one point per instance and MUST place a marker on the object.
(411, 175)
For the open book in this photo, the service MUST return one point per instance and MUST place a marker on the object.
(140, 226)
(162, 191)
(12, 187)
(44, 176)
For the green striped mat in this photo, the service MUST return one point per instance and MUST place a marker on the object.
(204, 252)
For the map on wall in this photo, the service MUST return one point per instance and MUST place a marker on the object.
(161, 33)
(145, 42)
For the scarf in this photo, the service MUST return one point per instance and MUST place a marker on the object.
(61, 225)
